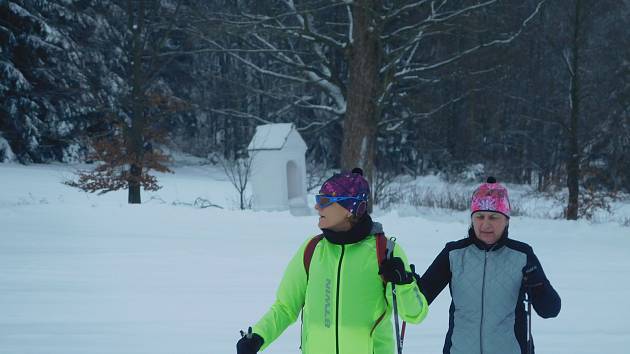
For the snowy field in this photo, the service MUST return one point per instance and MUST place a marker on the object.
(87, 274)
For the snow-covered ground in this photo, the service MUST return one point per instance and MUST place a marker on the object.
(87, 274)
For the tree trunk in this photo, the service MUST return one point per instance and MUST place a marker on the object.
(134, 187)
(573, 164)
(361, 120)
(135, 141)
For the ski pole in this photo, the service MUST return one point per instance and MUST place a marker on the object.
(390, 254)
(530, 342)
(402, 334)
(404, 325)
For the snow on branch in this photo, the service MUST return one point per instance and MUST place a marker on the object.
(320, 124)
(315, 76)
(434, 18)
(213, 50)
(239, 114)
(303, 103)
(255, 67)
(394, 123)
(406, 8)
(420, 68)
(306, 30)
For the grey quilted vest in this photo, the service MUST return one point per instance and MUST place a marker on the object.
(485, 288)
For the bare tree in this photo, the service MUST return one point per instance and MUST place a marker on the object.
(357, 55)
(573, 61)
(238, 172)
(576, 120)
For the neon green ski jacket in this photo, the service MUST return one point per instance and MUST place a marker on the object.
(346, 308)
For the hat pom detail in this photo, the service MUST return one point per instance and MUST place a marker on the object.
(491, 180)
(357, 170)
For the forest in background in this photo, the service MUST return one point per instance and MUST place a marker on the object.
(535, 91)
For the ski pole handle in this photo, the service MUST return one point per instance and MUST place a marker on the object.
(247, 335)
(391, 243)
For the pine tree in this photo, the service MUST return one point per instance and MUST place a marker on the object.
(44, 93)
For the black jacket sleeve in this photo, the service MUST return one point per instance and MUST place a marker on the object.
(436, 277)
(544, 297)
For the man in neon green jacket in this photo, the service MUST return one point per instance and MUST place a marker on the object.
(345, 303)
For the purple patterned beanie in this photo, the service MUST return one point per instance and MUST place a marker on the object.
(349, 184)
(491, 196)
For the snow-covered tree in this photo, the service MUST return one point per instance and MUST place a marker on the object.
(43, 87)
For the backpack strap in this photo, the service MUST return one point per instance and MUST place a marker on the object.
(381, 254)
(381, 248)
(308, 256)
(308, 252)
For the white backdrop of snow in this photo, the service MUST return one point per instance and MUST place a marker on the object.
(87, 274)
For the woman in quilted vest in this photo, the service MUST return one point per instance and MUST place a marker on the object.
(338, 283)
(489, 277)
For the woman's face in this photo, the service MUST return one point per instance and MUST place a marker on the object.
(489, 226)
(333, 217)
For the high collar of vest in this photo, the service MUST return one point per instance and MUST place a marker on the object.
(485, 247)
(357, 233)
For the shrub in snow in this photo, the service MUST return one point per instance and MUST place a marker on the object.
(238, 172)
(117, 162)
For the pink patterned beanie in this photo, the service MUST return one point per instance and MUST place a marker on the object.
(491, 196)
(349, 184)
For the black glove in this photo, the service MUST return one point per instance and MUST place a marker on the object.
(250, 343)
(533, 276)
(393, 271)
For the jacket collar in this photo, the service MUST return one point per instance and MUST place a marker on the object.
(483, 246)
(357, 233)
